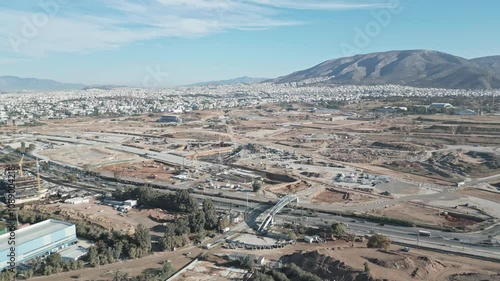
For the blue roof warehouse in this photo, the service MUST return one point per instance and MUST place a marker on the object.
(37, 240)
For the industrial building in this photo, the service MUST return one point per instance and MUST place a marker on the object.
(441, 105)
(77, 200)
(37, 240)
(170, 119)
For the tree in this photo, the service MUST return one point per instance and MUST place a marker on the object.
(211, 218)
(120, 276)
(248, 262)
(146, 195)
(338, 230)
(117, 250)
(48, 270)
(259, 276)
(167, 241)
(71, 178)
(256, 185)
(279, 276)
(73, 265)
(181, 226)
(367, 267)
(132, 251)
(252, 147)
(379, 241)
(93, 256)
(292, 236)
(28, 273)
(31, 147)
(55, 260)
(143, 238)
(185, 202)
(166, 271)
(197, 222)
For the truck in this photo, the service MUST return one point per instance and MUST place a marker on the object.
(424, 233)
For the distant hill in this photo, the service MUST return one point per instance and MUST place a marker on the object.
(102, 87)
(14, 83)
(492, 62)
(418, 68)
(245, 79)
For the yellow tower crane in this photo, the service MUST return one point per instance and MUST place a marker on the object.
(21, 162)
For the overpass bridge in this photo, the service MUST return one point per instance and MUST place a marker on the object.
(276, 209)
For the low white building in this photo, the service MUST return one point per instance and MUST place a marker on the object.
(73, 253)
(77, 200)
(466, 112)
(130, 203)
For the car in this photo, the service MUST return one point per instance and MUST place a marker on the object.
(353, 221)
(405, 249)
(363, 221)
(381, 224)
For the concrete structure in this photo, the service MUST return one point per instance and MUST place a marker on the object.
(441, 105)
(170, 119)
(260, 261)
(77, 200)
(309, 239)
(130, 203)
(466, 112)
(37, 240)
(312, 239)
(27, 189)
(73, 253)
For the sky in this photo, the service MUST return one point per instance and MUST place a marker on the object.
(163, 43)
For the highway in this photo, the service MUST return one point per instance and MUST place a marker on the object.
(457, 242)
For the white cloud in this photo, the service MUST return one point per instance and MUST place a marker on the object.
(96, 25)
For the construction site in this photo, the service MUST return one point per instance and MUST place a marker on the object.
(391, 175)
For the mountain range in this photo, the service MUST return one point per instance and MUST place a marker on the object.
(14, 83)
(239, 80)
(418, 68)
(492, 62)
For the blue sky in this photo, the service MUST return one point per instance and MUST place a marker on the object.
(121, 41)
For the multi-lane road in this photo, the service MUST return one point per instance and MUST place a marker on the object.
(469, 243)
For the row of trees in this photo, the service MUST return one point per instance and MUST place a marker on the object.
(148, 275)
(180, 201)
(179, 233)
(290, 272)
(116, 245)
(53, 263)
(333, 230)
(196, 225)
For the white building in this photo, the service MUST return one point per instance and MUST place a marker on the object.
(130, 203)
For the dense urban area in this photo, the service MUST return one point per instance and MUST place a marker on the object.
(292, 181)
